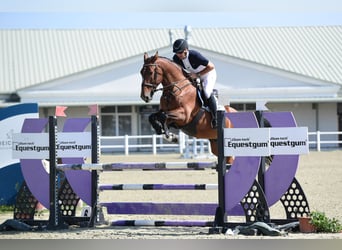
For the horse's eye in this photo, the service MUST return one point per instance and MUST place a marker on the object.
(146, 72)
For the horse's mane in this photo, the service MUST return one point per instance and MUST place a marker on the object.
(179, 67)
(171, 61)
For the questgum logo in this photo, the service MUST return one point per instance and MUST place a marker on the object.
(279, 142)
(73, 147)
(244, 143)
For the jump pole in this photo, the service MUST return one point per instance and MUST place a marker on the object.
(138, 165)
(103, 187)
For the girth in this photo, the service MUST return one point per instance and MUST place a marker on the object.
(190, 128)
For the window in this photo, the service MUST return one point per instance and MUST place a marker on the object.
(108, 125)
(244, 106)
(124, 124)
(145, 112)
(116, 120)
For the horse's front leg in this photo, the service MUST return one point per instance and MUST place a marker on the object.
(158, 122)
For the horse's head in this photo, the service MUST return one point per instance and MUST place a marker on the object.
(152, 76)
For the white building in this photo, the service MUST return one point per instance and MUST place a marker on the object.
(296, 69)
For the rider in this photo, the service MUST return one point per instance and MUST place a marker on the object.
(200, 67)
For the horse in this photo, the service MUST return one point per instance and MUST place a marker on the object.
(180, 104)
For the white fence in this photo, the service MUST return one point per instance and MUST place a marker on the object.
(192, 147)
(188, 147)
(324, 139)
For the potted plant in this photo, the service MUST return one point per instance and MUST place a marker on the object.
(318, 222)
(305, 225)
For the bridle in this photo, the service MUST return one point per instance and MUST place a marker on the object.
(169, 87)
(152, 85)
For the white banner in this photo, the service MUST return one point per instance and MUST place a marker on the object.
(30, 146)
(8, 127)
(289, 141)
(246, 142)
(74, 144)
(266, 141)
(36, 145)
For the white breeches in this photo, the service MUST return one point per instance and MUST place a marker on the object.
(208, 81)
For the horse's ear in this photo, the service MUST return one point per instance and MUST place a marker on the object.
(145, 56)
(155, 57)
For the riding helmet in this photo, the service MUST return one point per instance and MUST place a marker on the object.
(180, 45)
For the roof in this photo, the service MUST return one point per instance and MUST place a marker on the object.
(308, 51)
(29, 56)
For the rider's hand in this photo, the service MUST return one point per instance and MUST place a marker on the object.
(194, 75)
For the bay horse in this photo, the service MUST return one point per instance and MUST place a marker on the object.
(180, 105)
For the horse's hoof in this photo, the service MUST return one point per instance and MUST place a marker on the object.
(174, 140)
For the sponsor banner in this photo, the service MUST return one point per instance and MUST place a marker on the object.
(30, 146)
(8, 127)
(266, 141)
(246, 142)
(36, 145)
(289, 141)
(74, 144)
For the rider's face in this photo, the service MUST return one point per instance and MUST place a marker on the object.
(182, 55)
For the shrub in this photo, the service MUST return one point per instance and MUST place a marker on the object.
(325, 224)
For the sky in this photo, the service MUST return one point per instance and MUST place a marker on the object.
(107, 14)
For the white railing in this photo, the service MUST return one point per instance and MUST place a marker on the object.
(188, 147)
(329, 139)
(192, 147)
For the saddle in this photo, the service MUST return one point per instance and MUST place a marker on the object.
(196, 82)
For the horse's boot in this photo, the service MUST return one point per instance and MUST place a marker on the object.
(155, 123)
(213, 109)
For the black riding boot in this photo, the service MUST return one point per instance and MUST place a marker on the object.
(213, 108)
